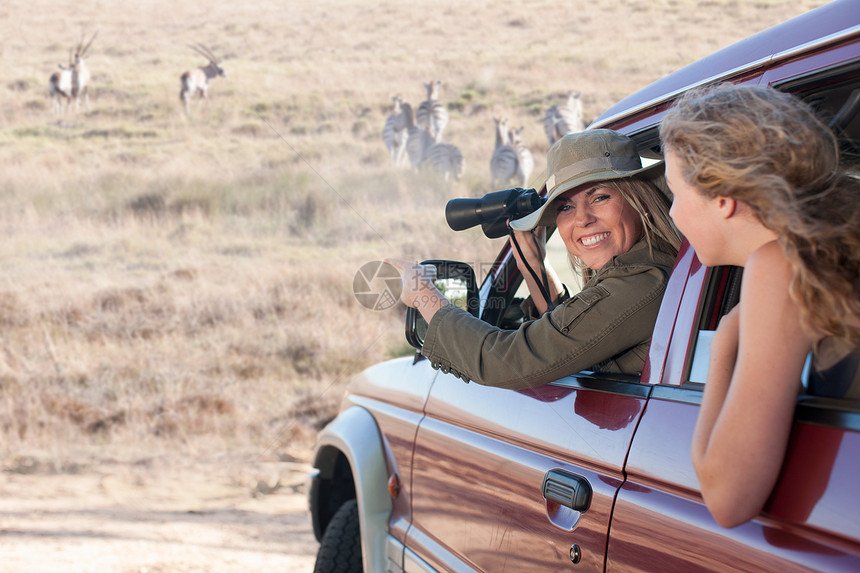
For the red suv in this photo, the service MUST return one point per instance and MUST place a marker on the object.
(423, 472)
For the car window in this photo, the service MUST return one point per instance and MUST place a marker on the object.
(722, 293)
(701, 357)
(835, 96)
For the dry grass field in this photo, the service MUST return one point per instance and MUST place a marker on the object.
(180, 287)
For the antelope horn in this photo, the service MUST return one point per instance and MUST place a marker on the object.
(199, 51)
(211, 55)
(208, 53)
(87, 47)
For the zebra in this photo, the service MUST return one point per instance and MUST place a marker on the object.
(525, 161)
(504, 161)
(395, 133)
(445, 159)
(418, 140)
(431, 114)
(503, 136)
(567, 118)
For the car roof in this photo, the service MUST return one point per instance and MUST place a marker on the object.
(817, 28)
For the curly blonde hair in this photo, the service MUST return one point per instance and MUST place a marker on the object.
(768, 150)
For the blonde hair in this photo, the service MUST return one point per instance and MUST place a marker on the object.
(767, 149)
(653, 209)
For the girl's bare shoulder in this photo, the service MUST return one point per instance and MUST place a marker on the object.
(769, 263)
(766, 283)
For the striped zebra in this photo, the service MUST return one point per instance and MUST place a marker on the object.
(560, 120)
(418, 140)
(431, 114)
(503, 136)
(445, 159)
(525, 161)
(504, 162)
(394, 132)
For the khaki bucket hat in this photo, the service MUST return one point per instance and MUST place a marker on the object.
(586, 157)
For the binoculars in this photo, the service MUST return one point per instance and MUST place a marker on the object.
(492, 211)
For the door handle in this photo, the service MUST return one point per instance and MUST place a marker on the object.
(567, 489)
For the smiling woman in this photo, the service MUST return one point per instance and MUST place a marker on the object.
(615, 227)
(596, 223)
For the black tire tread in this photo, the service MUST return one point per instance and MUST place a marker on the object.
(340, 548)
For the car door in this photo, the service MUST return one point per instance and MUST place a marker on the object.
(487, 462)
(508, 480)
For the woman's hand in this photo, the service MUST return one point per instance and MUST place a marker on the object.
(417, 288)
(533, 245)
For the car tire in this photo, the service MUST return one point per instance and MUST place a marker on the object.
(340, 548)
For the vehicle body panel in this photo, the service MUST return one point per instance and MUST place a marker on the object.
(660, 503)
(493, 447)
(672, 313)
(353, 435)
(398, 409)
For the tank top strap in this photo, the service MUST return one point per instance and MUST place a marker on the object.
(835, 371)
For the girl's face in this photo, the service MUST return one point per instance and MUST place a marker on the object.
(696, 215)
(596, 223)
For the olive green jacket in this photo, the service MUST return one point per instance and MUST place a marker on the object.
(606, 327)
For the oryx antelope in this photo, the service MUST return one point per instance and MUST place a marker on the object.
(81, 73)
(196, 81)
(61, 86)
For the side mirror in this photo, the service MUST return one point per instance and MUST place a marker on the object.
(456, 280)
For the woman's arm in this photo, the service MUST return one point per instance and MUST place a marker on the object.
(757, 357)
(533, 244)
(418, 290)
(603, 321)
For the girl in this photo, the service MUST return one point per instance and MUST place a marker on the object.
(757, 183)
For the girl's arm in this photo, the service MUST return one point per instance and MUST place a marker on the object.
(748, 406)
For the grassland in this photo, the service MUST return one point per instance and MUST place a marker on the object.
(177, 285)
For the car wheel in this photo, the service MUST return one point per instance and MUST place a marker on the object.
(340, 548)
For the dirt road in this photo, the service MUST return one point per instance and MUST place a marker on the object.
(155, 518)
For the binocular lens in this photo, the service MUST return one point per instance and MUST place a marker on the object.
(492, 211)
(462, 214)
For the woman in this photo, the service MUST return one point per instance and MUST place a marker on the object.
(756, 183)
(615, 223)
